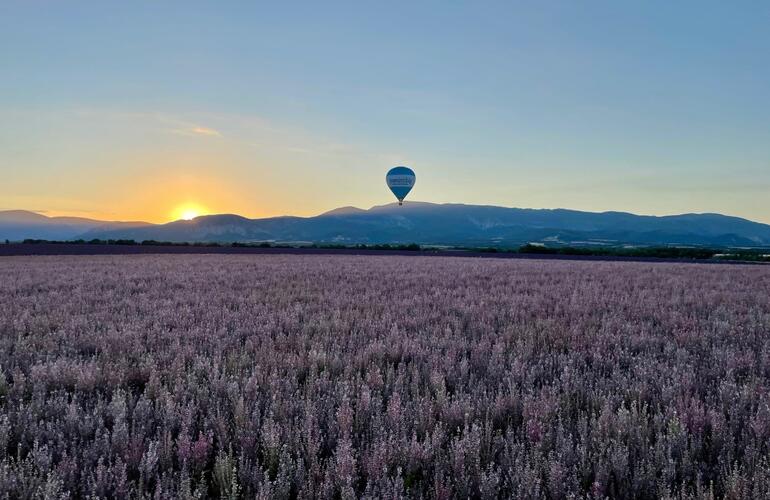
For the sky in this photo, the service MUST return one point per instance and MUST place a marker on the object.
(152, 110)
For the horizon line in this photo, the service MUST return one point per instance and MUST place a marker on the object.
(42, 213)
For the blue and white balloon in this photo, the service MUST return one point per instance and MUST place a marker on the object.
(400, 180)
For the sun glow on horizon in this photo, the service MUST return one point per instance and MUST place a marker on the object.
(189, 211)
(189, 214)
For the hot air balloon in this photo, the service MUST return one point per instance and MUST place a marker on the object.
(400, 180)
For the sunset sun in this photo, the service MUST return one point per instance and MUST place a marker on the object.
(190, 214)
(188, 211)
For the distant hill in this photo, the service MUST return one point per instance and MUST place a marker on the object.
(424, 223)
(21, 224)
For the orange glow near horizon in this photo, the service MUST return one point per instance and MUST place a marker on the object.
(189, 211)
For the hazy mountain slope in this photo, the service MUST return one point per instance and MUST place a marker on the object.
(22, 224)
(457, 224)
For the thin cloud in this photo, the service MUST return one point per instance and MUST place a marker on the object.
(197, 131)
(170, 123)
(206, 131)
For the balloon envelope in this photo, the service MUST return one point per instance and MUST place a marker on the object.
(400, 180)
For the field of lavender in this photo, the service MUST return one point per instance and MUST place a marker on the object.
(359, 376)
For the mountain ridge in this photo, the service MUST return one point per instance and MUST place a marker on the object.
(21, 224)
(415, 222)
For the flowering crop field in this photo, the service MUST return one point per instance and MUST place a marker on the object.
(360, 376)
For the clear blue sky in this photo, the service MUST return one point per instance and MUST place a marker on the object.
(131, 110)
